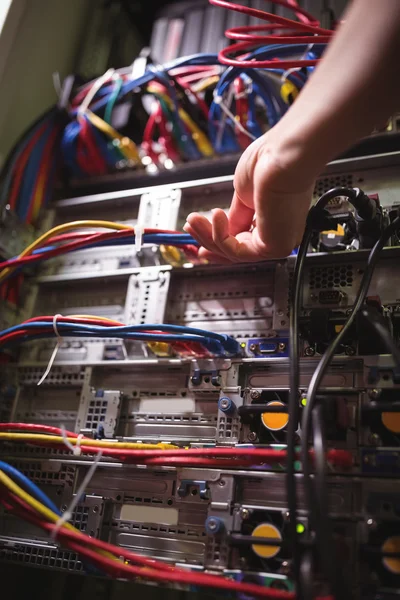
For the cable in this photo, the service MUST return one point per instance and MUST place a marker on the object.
(374, 318)
(28, 485)
(107, 557)
(248, 36)
(321, 524)
(293, 404)
(364, 207)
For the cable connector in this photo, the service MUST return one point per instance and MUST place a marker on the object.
(366, 207)
(319, 219)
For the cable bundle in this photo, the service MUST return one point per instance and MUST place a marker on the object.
(188, 109)
(28, 175)
(22, 498)
(306, 30)
(57, 241)
(97, 327)
(155, 454)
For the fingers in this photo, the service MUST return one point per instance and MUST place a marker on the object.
(219, 244)
(240, 216)
(201, 229)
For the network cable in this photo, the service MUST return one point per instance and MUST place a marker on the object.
(117, 561)
(55, 241)
(45, 327)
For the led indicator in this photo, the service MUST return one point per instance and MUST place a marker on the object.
(304, 401)
(300, 528)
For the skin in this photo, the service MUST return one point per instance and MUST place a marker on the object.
(355, 87)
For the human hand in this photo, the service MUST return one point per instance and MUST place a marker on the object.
(273, 190)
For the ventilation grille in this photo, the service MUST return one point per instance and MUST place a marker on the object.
(80, 517)
(57, 376)
(34, 471)
(96, 413)
(330, 277)
(228, 427)
(216, 553)
(327, 183)
(44, 557)
(163, 529)
(23, 450)
(165, 418)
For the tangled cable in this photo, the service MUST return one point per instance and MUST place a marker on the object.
(306, 30)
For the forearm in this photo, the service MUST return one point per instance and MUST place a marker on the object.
(355, 87)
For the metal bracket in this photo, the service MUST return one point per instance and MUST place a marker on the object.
(186, 484)
(147, 296)
(160, 209)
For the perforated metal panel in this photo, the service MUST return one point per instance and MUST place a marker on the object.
(331, 276)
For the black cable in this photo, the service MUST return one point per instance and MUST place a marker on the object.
(306, 575)
(375, 319)
(322, 524)
(317, 219)
(293, 406)
(327, 357)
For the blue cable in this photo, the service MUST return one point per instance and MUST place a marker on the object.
(216, 342)
(31, 172)
(28, 486)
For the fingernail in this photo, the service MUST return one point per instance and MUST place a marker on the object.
(186, 225)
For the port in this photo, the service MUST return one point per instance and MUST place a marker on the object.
(330, 297)
(268, 347)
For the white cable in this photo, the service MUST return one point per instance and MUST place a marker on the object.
(66, 441)
(67, 515)
(219, 100)
(54, 353)
(93, 91)
(285, 74)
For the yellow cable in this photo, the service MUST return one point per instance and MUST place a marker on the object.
(199, 137)
(61, 229)
(126, 145)
(48, 514)
(58, 439)
(94, 318)
(205, 83)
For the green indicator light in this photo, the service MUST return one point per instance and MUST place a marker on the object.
(297, 465)
(300, 528)
(243, 345)
(304, 401)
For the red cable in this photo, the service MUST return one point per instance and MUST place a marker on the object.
(250, 454)
(35, 428)
(48, 155)
(87, 240)
(153, 570)
(149, 569)
(21, 164)
(248, 38)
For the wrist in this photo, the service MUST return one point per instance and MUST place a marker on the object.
(294, 156)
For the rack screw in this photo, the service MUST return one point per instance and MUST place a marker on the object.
(253, 347)
(309, 351)
(255, 394)
(374, 439)
(372, 524)
(252, 437)
(374, 393)
(282, 346)
(244, 514)
(285, 568)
